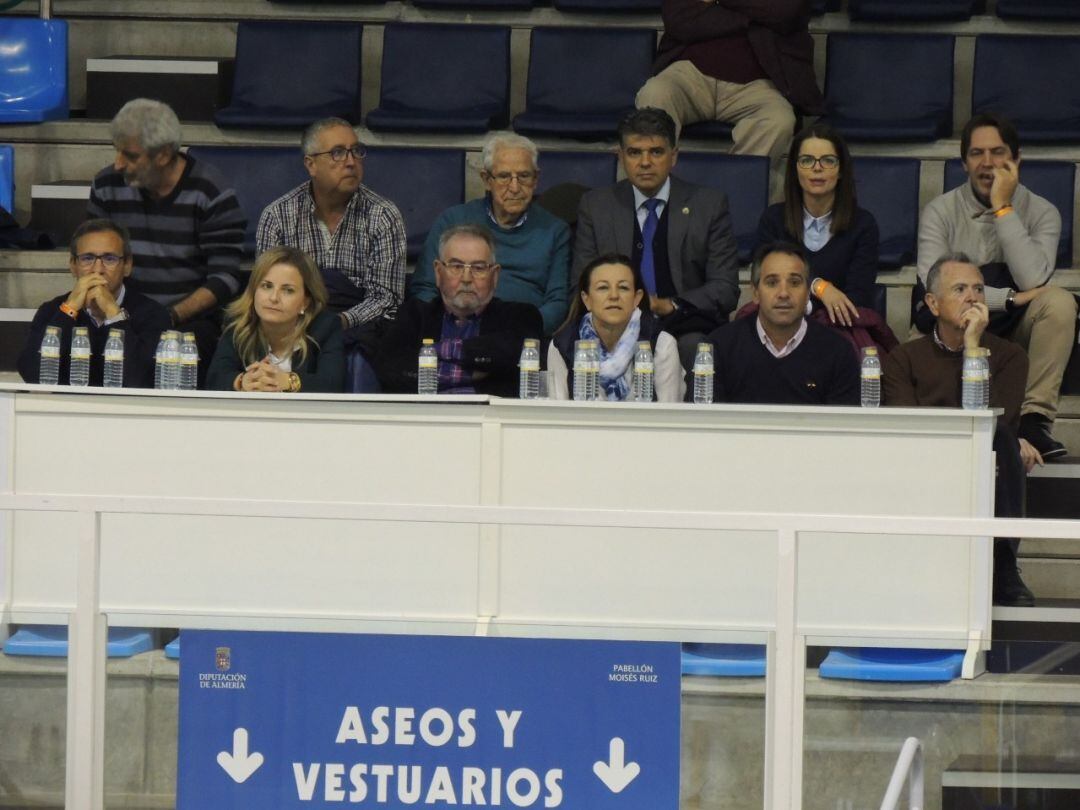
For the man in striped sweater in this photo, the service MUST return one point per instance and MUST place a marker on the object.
(186, 225)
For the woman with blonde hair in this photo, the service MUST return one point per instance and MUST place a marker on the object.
(280, 336)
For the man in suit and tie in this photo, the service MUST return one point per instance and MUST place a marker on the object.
(677, 233)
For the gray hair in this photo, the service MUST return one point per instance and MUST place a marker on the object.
(508, 140)
(933, 275)
(308, 141)
(152, 124)
(471, 230)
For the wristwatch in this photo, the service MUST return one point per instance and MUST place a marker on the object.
(1010, 300)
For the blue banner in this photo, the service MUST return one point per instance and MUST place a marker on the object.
(284, 720)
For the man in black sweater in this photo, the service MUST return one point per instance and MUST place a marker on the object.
(100, 262)
(779, 357)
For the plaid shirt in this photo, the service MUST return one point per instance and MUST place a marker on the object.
(453, 378)
(368, 245)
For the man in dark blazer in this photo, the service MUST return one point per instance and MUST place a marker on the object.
(689, 262)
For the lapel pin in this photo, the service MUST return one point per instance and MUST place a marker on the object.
(686, 210)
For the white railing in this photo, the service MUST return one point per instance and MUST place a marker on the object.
(909, 768)
(787, 640)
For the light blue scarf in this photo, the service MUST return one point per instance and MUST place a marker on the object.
(613, 365)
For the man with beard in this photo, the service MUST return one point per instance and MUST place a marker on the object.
(186, 225)
(477, 337)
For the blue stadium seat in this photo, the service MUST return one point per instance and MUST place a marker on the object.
(614, 6)
(51, 641)
(289, 74)
(819, 7)
(422, 183)
(589, 169)
(1042, 99)
(724, 660)
(486, 5)
(745, 180)
(892, 664)
(719, 130)
(1052, 179)
(583, 80)
(912, 10)
(33, 69)
(444, 78)
(7, 178)
(259, 174)
(889, 87)
(1038, 9)
(889, 189)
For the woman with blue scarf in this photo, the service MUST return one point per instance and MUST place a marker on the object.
(611, 308)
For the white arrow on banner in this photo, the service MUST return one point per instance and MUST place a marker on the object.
(616, 773)
(238, 764)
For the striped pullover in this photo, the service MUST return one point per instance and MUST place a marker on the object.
(193, 238)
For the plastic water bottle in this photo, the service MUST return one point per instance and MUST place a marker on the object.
(870, 378)
(529, 365)
(189, 362)
(79, 371)
(703, 374)
(595, 393)
(114, 359)
(159, 362)
(49, 370)
(427, 378)
(642, 389)
(975, 380)
(582, 363)
(170, 374)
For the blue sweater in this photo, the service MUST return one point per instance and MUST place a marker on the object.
(535, 259)
(849, 260)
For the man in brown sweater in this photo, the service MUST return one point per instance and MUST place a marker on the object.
(926, 372)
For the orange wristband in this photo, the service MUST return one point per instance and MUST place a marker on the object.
(820, 286)
(1005, 209)
(70, 311)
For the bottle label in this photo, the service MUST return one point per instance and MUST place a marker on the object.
(429, 362)
(976, 375)
(114, 355)
(80, 353)
(703, 370)
(50, 352)
(184, 361)
(641, 368)
(871, 374)
(530, 365)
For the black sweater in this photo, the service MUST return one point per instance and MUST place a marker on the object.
(821, 371)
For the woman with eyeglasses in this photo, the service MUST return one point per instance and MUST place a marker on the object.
(612, 308)
(820, 212)
(100, 302)
(280, 336)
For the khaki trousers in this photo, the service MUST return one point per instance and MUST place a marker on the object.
(1046, 332)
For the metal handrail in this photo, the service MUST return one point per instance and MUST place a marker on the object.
(909, 767)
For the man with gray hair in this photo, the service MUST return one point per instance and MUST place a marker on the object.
(186, 225)
(477, 336)
(926, 373)
(533, 244)
(356, 237)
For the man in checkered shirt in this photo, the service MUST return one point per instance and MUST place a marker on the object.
(356, 237)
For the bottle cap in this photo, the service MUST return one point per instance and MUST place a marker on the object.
(80, 330)
(429, 341)
(644, 344)
(704, 347)
(116, 333)
(532, 343)
(870, 351)
(52, 330)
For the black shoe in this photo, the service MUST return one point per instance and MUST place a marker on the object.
(1036, 429)
(1009, 589)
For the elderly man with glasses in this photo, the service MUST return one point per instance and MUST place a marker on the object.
(477, 336)
(100, 301)
(356, 237)
(533, 244)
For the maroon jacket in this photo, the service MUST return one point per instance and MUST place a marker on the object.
(776, 29)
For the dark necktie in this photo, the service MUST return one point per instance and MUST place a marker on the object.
(648, 233)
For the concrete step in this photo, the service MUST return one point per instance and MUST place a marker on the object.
(1050, 577)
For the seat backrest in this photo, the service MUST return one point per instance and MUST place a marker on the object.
(1038, 9)
(587, 70)
(258, 174)
(745, 180)
(589, 169)
(33, 68)
(446, 67)
(1043, 95)
(7, 178)
(886, 77)
(889, 189)
(295, 66)
(913, 10)
(1052, 179)
(422, 183)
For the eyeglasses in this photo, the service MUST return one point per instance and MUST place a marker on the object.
(825, 161)
(478, 269)
(338, 153)
(88, 260)
(506, 178)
